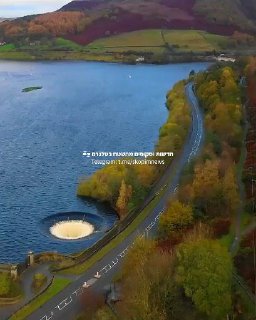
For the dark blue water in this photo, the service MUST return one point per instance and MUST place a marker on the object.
(82, 106)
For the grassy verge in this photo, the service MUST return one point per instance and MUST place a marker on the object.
(57, 285)
(15, 55)
(57, 55)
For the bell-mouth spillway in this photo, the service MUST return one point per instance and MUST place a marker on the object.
(72, 229)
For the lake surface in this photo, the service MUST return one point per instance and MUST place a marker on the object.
(82, 106)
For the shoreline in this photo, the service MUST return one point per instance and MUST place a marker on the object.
(55, 56)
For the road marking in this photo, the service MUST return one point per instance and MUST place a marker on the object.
(46, 317)
(67, 301)
(78, 292)
(64, 303)
(123, 253)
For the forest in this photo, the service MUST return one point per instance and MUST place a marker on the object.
(47, 25)
(187, 272)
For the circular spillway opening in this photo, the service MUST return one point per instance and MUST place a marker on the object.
(71, 229)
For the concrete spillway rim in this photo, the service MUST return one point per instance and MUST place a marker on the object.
(71, 229)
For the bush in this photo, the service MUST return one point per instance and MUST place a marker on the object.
(39, 280)
(9, 288)
(5, 284)
(177, 218)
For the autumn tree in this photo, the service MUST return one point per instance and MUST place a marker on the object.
(149, 288)
(177, 217)
(145, 271)
(219, 94)
(104, 314)
(174, 131)
(146, 174)
(139, 254)
(104, 184)
(125, 194)
(136, 285)
(205, 272)
(53, 24)
(37, 29)
(91, 301)
(207, 187)
(59, 23)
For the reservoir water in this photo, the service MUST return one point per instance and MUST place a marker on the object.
(82, 106)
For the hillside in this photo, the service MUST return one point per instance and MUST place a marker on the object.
(209, 26)
(106, 18)
(86, 21)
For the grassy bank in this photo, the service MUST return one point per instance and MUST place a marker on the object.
(55, 56)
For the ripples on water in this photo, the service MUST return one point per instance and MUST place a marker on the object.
(82, 106)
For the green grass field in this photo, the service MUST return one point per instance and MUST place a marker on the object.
(136, 38)
(57, 285)
(183, 40)
(194, 40)
(7, 47)
(67, 44)
(138, 41)
(216, 40)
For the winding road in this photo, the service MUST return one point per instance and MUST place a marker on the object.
(66, 304)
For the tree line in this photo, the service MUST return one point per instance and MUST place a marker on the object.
(46, 25)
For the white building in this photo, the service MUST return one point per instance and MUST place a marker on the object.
(224, 58)
(140, 59)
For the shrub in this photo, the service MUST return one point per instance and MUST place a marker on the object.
(39, 280)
